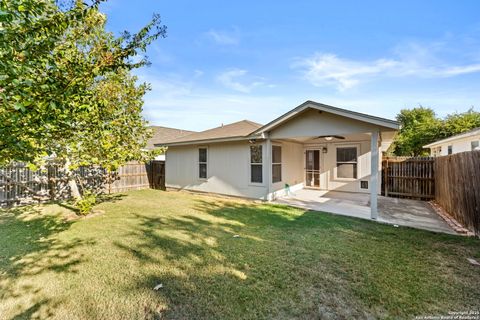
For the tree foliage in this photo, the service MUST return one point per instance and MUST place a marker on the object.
(421, 126)
(66, 87)
(65, 84)
(456, 123)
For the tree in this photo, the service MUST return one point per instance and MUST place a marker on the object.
(66, 88)
(456, 123)
(418, 127)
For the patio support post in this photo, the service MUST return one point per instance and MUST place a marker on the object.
(268, 164)
(374, 175)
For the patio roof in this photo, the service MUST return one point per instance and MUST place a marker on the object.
(387, 123)
(246, 129)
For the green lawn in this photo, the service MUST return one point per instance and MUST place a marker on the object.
(287, 263)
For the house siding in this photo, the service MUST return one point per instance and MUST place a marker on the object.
(328, 165)
(313, 123)
(292, 167)
(458, 145)
(228, 169)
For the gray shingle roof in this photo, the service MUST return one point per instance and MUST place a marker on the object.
(164, 134)
(233, 130)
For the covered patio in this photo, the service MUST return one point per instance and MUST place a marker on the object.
(328, 149)
(402, 212)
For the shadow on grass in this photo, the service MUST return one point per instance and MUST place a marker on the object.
(29, 247)
(113, 197)
(209, 272)
(288, 263)
(101, 198)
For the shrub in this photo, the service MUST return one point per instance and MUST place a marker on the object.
(85, 205)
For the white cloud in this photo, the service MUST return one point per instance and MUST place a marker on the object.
(230, 79)
(224, 37)
(169, 86)
(198, 73)
(328, 69)
(186, 102)
(323, 69)
(203, 109)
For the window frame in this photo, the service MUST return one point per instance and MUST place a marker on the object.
(277, 163)
(261, 164)
(350, 146)
(201, 162)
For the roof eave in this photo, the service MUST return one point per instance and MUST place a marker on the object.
(205, 141)
(452, 138)
(391, 124)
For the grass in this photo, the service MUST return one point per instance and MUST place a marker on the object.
(287, 263)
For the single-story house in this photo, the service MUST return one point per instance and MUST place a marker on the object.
(162, 135)
(312, 146)
(466, 141)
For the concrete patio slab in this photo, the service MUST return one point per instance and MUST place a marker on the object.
(404, 212)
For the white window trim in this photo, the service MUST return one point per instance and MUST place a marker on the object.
(280, 163)
(250, 183)
(357, 146)
(198, 163)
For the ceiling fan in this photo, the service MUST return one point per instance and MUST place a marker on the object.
(328, 138)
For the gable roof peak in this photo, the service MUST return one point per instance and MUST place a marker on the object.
(383, 122)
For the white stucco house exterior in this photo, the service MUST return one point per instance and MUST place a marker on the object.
(312, 146)
(462, 142)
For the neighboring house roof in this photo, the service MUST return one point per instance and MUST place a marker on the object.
(229, 132)
(323, 107)
(473, 132)
(164, 134)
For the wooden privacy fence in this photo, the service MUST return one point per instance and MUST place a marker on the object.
(407, 177)
(137, 175)
(19, 184)
(457, 187)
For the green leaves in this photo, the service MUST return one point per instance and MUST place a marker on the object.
(18, 106)
(65, 86)
(420, 126)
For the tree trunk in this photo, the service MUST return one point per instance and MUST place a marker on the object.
(72, 183)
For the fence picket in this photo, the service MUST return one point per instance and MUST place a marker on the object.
(408, 177)
(457, 187)
(19, 184)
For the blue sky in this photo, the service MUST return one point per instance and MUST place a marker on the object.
(224, 61)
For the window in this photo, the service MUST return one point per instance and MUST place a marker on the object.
(256, 164)
(276, 164)
(475, 145)
(347, 162)
(450, 149)
(202, 163)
